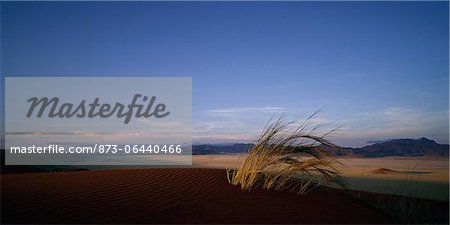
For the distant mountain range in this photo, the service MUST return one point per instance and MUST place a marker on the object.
(394, 147)
(211, 149)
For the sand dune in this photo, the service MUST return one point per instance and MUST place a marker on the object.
(168, 196)
(383, 171)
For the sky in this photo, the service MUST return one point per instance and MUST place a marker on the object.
(376, 70)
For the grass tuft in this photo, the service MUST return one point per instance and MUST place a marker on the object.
(286, 156)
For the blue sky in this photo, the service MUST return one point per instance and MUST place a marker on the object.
(378, 69)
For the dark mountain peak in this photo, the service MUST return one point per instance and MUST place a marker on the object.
(420, 141)
(406, 147)
(424, 139)
(394, 147)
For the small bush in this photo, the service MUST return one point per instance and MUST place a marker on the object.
(286, 158)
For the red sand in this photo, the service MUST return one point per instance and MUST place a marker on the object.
(168, 196)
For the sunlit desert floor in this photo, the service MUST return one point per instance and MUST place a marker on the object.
(422, 177)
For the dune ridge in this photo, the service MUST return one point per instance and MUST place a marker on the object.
(168, 196)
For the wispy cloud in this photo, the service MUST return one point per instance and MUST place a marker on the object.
(229, 130)
(243, 124)
(394, 122)
(224, 137)
(218, 126)
(267, 109)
